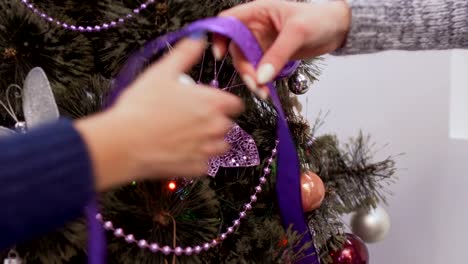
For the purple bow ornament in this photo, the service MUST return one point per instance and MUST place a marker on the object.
(243, 152)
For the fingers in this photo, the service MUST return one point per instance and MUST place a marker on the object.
(229, 104)
(225, 103)
(215, 148)
(245, 13)
(185, 54)
(220, 127)
(211, 149)
(246, 71)
(282, 50)
(236, 11)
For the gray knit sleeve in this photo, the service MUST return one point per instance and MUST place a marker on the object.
(406, 25)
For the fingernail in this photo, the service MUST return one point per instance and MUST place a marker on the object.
(198, 35)
(186, 80)
(216, 52)
(250, 83)
(265, 73)
(262, 93)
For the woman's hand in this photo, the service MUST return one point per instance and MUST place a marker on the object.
(160, 126)
(286, 31)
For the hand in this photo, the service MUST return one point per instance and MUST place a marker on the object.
(160, 126)
(286, 31)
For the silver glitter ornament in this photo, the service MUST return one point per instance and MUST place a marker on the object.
(299, 84)
(371, 226)
(39, 106)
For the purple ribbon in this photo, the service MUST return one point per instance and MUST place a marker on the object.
(288, 171)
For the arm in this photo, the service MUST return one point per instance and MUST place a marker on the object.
(289, 30)
(46, 180)
(379, 25)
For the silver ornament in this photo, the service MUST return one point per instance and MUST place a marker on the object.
(20, 127)
(371, 226)
(39, 106)
(13, 258)
(299, 84)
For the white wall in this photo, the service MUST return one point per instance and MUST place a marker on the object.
(459, 94)
(404, 99)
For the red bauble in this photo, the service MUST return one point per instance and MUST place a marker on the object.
(354, 251)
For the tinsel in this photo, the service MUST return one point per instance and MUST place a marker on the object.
(81, 68)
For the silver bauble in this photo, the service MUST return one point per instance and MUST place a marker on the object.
(12, 258)
(371, 226)
(299, 83)
(20, 127)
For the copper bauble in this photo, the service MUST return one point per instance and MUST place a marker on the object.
(312, 191)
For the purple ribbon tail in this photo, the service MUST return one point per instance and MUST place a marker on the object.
(96, 236)
(289, 192)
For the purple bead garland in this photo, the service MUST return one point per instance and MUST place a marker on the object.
(166, 250)
(95, 28)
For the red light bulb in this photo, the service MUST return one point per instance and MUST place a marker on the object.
(172, 185)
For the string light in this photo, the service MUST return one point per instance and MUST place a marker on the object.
(172, 185)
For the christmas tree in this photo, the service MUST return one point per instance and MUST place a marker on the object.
(81, 64)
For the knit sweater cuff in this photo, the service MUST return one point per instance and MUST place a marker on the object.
(406, 25)
(46, 178)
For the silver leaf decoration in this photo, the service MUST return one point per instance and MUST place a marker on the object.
(39, 104)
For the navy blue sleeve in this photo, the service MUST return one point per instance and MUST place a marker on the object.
(45, 180)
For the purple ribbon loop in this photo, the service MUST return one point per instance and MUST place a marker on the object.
(288, 170)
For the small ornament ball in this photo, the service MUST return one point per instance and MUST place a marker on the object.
(354, 251)
(312, 191)
(20, 127)
(299, 84)
(371, 226)
(13, 258)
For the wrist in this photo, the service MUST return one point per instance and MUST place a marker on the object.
(108, 150)
(343, 13)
